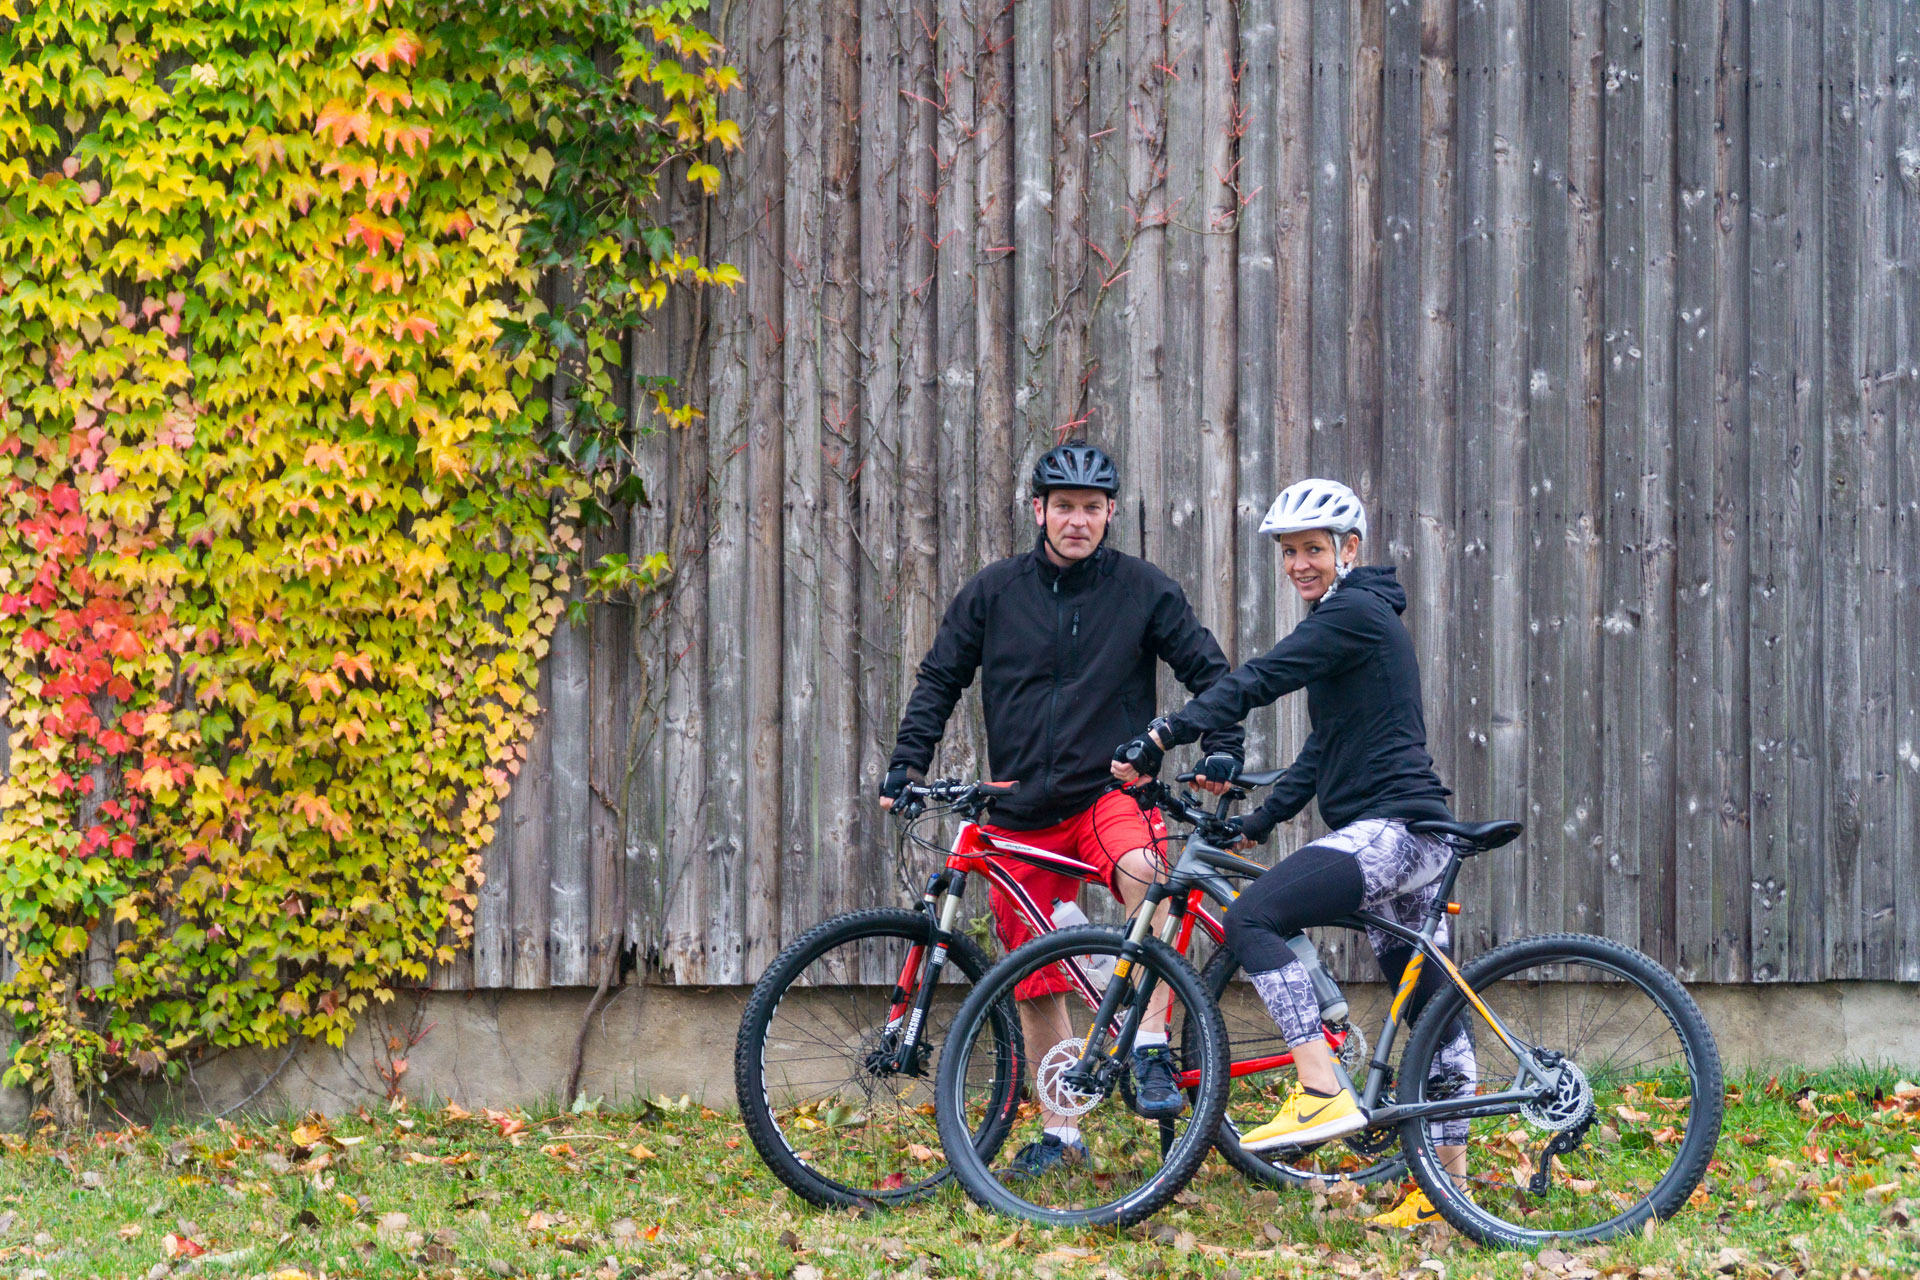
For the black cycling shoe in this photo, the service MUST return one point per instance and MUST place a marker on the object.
(1042, 1157)
(1155, 1094)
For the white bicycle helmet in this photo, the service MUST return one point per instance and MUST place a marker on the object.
(1316, 504)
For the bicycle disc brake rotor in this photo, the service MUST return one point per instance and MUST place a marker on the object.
(1055, 1093)
(1571, 1103)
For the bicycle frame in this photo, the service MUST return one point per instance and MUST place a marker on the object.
(1206, 868)
(976, 852)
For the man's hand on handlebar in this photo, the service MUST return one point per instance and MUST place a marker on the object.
(896, 782)
(1139, 757)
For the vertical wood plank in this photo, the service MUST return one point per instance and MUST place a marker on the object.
(1429, 537)
(1903, 227)
(1400, 318)
(1366, 30)
(609, 714)
(1069, 81)
(920, 611)
(1582, 773)
(1219, 216)
(1788, 867)
(1840, 514)
(1290, 346)
(1033, 289)
(1256, 291)
(1732, 732)
(1110, 232)
(1510, 378)
(810, 883)
(1330, 261)
(1544, 547)
(1878, 377)
(1806, 760)
(532, 851)
(1469, 720)
(1147, 55)
(757, 934)
(1003, 525)
(883, 436)
(1699, 665)
(569, 803)
(1181, 429)
(954, 300)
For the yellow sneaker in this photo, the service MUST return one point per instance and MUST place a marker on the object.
(1305, 1118)
(1414, 1211)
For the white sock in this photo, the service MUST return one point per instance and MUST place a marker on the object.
(1067, 1133)
(1143, 1039)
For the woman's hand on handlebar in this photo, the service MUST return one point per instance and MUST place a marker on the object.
(1215, 773)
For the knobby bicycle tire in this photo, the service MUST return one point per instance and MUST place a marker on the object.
(1707, 1100)
(963, 955)
(971, 1162)
(1269, 1167)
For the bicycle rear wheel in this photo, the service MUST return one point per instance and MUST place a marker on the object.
(827, 1108)
(1629, 1133)
(1253, 1096)
(1132, 1164)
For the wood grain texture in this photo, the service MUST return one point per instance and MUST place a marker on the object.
(1609, 316)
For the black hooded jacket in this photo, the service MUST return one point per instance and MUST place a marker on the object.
(1366, 756)
(1067, 658)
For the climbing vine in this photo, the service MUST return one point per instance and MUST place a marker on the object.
(286, 516)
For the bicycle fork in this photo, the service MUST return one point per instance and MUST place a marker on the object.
(920, 974)
(1085, 1074)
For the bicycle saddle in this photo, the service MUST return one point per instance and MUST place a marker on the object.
(1266, 779)
(1470, 837)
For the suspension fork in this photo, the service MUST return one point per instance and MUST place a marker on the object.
(1139, 930)
(920, 975)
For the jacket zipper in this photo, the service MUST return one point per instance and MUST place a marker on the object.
(1053, 698)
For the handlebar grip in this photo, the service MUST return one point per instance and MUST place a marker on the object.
(999, 788)
(1188, 776)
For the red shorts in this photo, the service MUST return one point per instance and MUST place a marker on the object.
(1100, 836)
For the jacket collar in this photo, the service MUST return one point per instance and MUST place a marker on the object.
(1073, 576)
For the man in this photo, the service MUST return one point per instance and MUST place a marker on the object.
(1068, 636)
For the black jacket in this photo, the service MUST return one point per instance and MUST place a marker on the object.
(1068, 658)
(1367, 754)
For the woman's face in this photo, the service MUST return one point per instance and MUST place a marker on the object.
(1308, 559)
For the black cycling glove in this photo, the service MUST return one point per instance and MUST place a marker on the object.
(1221, 766)
(1255, 826)
(897, 779)
(1143, 753)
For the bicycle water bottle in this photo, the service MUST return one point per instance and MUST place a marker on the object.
(1333, 1004)
(1099, 969)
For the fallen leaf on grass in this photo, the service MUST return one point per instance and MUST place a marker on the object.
(181, 1246)
(558, 1150)
(507, 1124)
(920, 1151)
(651, 1232)
(623, 1229)
(639, 1152)
(455, 1111)
(1067, 1253)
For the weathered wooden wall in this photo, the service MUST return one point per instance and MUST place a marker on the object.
(1608, 309)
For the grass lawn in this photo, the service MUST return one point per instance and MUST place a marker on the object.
(1816, 1174)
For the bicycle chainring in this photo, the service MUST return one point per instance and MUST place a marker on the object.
(1571, 1104)
(1056, 1094)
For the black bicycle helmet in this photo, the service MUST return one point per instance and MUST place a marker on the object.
(1075, 466)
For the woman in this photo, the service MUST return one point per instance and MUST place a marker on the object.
(1366, 763)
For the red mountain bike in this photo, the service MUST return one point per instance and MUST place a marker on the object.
(838, 1048)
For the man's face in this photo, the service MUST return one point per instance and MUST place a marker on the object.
(1075, 520)
(1309, 560)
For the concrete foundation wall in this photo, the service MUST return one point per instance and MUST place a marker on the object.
(506, 1048)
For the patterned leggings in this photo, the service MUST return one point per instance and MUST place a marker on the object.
(1374, 864)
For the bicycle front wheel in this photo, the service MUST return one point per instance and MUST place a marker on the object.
(1627, 1135)
(827, 1101)
(1126, 1164)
